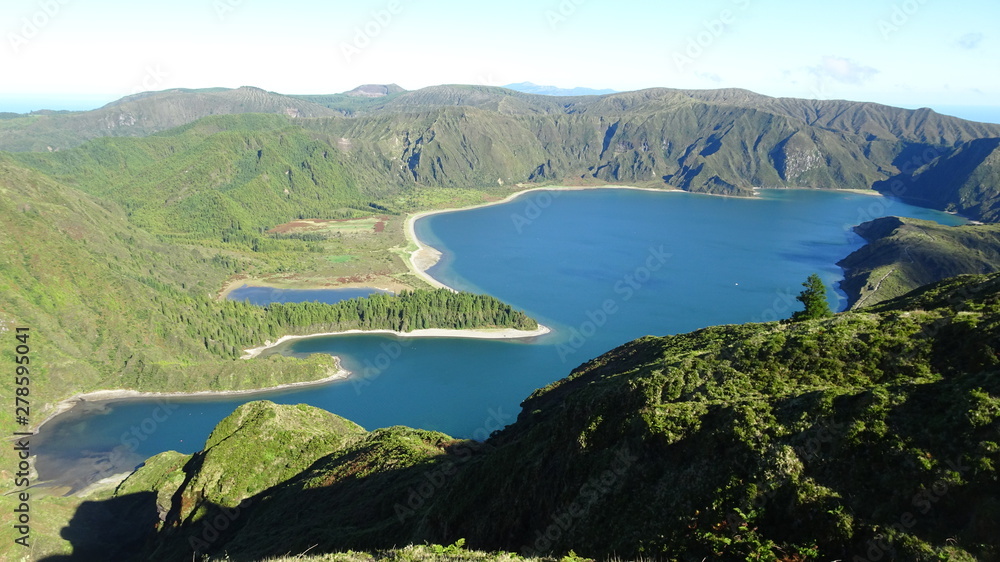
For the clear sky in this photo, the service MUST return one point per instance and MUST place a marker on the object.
(911, 53)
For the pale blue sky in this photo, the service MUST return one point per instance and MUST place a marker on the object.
(911, 53)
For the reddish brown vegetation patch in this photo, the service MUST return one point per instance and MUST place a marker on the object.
(309, 225)
(288, 227)
(73, 230)
(355, 279)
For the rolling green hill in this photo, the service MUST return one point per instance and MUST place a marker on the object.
(869, 434)
(77, 272)
(964, 180)
(733, 442)
(143, 114)
(902, 254)
(113, 306)
(376, 148)
(224, 178)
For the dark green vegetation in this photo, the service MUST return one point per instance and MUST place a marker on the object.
(813, 298)
(766, 441)
(286, 440)
(902, 254)
(108, 304)
(381, 148)
(408, 311)
(869, 435)
(111, 306)
(964, 180)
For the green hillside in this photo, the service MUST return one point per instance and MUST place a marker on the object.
(964, 181)
(224, 181)
(781, 441)
(113, 306)
(367, 97)
(869, 434)
(724, 141)
(287, 439)
(902, 254)
(350, 151)
(107, 302)
(143, 114)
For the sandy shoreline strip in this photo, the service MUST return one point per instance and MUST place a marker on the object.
(67, 404)
(496, 334)
(64, 406)
(421, 259)
(426, 256)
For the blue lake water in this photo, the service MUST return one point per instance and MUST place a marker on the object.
(600, 267)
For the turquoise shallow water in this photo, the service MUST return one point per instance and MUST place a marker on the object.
(600, 267)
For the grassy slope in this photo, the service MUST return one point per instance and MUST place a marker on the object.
(768, 441)
(903, 254)
(111, 306)
(965, 180)
(145, 114)
(724, 141)
(227, 179)
(107, 303)
(198, 488)
(809, 436)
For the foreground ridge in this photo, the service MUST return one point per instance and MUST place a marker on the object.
(863, 436)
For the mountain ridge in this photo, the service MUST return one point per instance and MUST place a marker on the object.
(379, 149)
(89, 223)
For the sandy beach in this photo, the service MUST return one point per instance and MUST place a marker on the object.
(340, 373)
(426, 256)
(121, 394)
(421, 259)
(496, 334)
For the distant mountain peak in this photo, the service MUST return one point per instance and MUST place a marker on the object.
(375, 90)
(532, 88)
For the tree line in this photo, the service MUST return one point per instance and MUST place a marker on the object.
(226, 328)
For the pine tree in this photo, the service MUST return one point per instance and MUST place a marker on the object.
(813, 297)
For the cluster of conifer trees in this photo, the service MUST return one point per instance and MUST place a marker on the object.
(227, 328)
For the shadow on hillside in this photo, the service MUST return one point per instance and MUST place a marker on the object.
(114, 529)
(353, 511)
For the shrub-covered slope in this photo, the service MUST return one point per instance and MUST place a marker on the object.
(902, 254)
(872, 434)
(966, 180)
(233, 176)
(110, 306)
(258, 445)
(107, 304)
